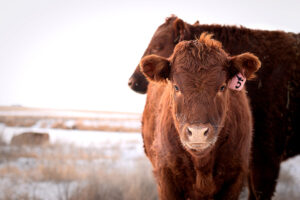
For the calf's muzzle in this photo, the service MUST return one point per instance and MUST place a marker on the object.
(199, 137)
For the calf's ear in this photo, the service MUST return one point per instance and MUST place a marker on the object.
(242, 67)
(197, 23)
(182, 31)
(155, 68)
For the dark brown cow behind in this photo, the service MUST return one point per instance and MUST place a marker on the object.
(197, 128)
(275, 94)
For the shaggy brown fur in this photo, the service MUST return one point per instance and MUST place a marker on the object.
(189, 90)
(274, 94)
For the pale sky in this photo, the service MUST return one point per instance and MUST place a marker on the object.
(80, 54)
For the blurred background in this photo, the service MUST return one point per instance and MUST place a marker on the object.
(79, 54)
(69, 124)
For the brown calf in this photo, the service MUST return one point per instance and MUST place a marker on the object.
(197, 126)
(274, 94)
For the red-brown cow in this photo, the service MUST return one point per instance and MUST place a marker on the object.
(197, 124)
(275, 94)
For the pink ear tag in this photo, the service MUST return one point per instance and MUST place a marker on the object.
(237, 82)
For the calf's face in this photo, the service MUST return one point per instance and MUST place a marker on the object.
(162, 43)
(199, 76)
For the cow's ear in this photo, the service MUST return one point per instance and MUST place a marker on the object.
(181, 29)
(197, 23)
(155, 68)
(242, 67)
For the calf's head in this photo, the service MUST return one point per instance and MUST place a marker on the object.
(200, 76)
(162, 43)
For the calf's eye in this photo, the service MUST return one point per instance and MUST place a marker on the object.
(156, 49)
(176, 88)
(222, 88)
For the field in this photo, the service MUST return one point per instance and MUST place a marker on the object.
(91, 155)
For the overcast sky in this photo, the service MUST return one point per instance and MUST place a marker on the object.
(79, 54)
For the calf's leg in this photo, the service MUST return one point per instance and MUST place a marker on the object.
(167, 188)
(232, 189)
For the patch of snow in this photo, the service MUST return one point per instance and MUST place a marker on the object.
(113, 123)
(129, 147)
(21, 189)
(70, 123)
(130, 144)
(76, 137)
(288, 186)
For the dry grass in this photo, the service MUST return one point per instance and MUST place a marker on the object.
(18, 121)
(52, 118)
(79, 173)
(79, 125)
(2, 142)
(10, 195)
(107, 128)
(63, 166)
(10, 153)
(56, 172)
(52, 163)
(132, 184)
(60, 123)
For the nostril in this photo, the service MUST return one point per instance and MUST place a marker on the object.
(189, 132)
(206, 132)
(130, 82)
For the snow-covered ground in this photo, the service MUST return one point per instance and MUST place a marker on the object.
(74, 150)
(97, 139)
(69, 119)
(115, 150)
(288, 186)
